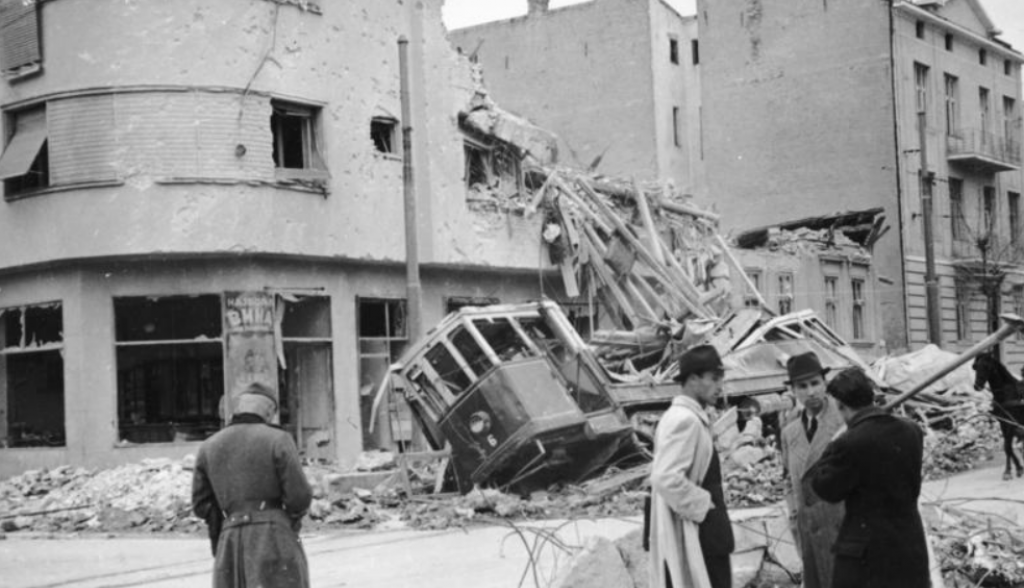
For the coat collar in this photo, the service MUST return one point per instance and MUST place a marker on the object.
(687, 402)
(866, 414)
(247, 418)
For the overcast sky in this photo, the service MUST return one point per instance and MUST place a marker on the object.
(1007, 14)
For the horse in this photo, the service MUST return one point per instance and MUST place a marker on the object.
(1007, 404)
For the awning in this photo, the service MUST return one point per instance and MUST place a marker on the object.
(28, 139)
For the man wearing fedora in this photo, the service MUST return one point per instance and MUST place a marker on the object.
(690, 533)
(875, 467)
(251, 472)
(814, 523)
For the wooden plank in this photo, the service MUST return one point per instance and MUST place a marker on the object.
(648, 221)
(743, 274)
(572, 287)
(603, 273)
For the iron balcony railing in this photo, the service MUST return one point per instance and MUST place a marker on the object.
(975, 144)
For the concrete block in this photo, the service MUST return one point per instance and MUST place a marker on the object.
(636, 559)
(598, 565)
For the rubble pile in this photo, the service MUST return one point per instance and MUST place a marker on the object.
(976, 550)
(968, 439)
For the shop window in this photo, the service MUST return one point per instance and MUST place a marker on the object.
(20, 51)
(384, 133)
(32, 373)
(382, 337)
(305, 380)
(296, 148)
(25, 163)
(170, 367)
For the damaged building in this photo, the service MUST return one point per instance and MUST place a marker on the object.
(206, 193)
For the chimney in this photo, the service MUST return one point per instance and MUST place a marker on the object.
(537, 6)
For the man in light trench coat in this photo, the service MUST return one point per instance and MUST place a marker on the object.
(690, 533)
(817, 419)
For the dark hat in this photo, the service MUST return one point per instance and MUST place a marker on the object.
(802, 366)
(260, 389)
(853, 388)
(698, 360)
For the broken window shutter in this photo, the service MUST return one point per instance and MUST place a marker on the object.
(29, 137)
(19, 34)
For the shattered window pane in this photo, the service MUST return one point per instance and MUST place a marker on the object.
(307, 318)
(382, 133)
(33, 382)
(544, 337)
(448, 369)
(32, 326)
(503, 339)
(167, 318)
(471, 351)
(492, 167)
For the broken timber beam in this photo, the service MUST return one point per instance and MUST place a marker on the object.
(739, 269)
(611, 189)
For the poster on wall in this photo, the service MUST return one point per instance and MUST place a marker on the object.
(249, 341)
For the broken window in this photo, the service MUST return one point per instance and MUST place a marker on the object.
(382, 337)
(492, 166)
(32, 373)
(832, 302)
(305, 382)
(20, 53)
(296, 139)
(170, 367)
(384, 135)
(785, 293)
(503, 338)
(857, 290)
(25, 164)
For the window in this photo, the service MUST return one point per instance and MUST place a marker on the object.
(750, 299)
(676, 134)
(958, 224)
(1010, 120)
(695, 51)
(785, 293)
(673, 50)
(988, 208)
(305, 380)
(986, 114)
(963, 315)
(491, 165)
(296, 139)
(170, 367)
(1007, 67)
(20, 52)
(454, 303)
(952, 85)
(949, 42)
(1018, 305)
(1013, 203)
(832, 302)
(857, 290)
(25, 163)
(982, 56)
(383, 133)
(32, 357)
(921, 86)
(919, 29)
(382, 337)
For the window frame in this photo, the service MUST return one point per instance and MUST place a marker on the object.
(393, 136)
(313, 160)
(34, 140)
(951, 86)
(673, 49)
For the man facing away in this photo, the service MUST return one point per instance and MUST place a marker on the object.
(251, 471)
(875, 466)
(814, 523)
(690, 535)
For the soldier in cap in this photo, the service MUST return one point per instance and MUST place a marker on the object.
(814, 523)
(251, 472)
(875, 467)
(690, 534)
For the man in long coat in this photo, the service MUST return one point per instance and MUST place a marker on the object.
(875, 466)
(814, 523)
(251, 471)
(690, 535)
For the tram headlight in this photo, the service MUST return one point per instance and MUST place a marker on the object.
(479, 423)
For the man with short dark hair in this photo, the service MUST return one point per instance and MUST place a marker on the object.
(251, 471)
(690, 535)
(814, 523)
(875, 467)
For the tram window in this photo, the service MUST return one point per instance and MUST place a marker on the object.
(470, 350)
(503, 339)
(541, 333)
(451, 373)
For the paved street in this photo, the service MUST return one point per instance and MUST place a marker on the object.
(487, 557)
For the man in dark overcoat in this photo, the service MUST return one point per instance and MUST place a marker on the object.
(251, 471)
(875, 467)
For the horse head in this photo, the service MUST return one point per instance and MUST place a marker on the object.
(983, 367)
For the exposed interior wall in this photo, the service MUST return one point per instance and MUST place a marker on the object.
(798, 115)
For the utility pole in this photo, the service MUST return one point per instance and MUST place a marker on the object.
(414, 289)
(931, 281)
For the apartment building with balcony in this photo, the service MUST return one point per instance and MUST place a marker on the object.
(813, 107)
(617, 80)
(204, 193)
